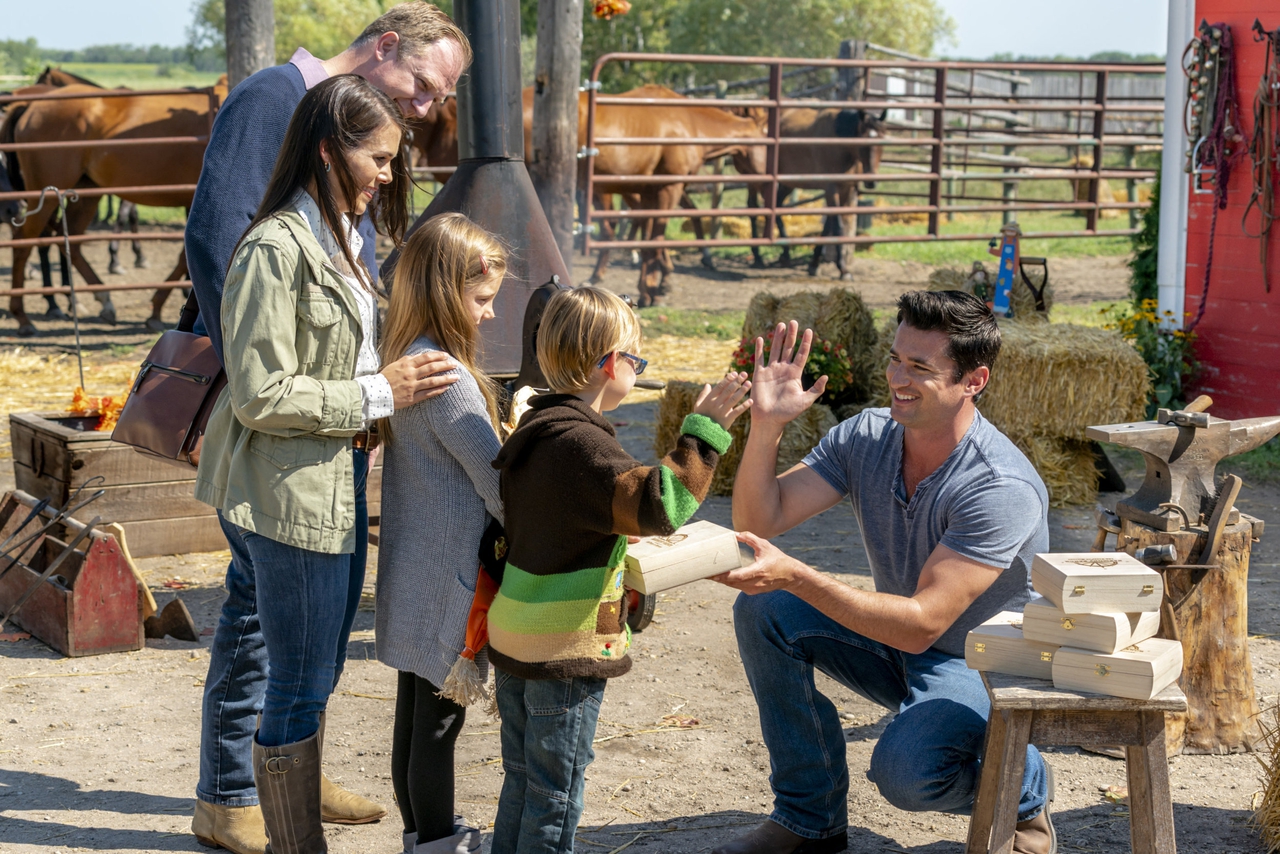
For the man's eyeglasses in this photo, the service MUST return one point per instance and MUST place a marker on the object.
(636, 362)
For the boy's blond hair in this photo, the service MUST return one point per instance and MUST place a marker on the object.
(579, 328)
(418, 25)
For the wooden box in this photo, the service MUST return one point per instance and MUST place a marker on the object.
(1093, 582)
(1100, 632)
(698, 550)
(89, 606)
(1137, 672)
(154, 500)
(998, 645)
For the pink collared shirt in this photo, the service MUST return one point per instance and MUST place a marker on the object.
(312, 69)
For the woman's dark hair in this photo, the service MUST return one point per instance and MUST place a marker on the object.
(973, 337)
(344, 112)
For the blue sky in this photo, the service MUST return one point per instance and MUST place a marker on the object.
(983, 27)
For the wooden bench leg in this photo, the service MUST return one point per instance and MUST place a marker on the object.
(1150, 801)
(1013, 763)
(984, 803)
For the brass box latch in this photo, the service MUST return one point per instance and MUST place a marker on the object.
(1148, 588)
(1078, 591)
(1102, 669)
(1046, 656)
(1068, 623)
(979, 647)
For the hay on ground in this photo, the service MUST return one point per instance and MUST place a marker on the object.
(1055, 380)
(838, 315)
(1266, 803)
(798, 439)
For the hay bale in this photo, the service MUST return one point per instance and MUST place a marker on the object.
(949, 279)
(1266, 813)
(1056, 379)
(798, 438)
(838, 315)
(1065, 465)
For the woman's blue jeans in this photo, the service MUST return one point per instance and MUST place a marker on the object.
(929, 756)
(547, 729)
(306, 626)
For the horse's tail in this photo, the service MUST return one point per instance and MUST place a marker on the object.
(8, 131)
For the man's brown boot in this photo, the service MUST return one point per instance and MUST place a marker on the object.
(337, 805)
(238, 829)
(773, 838)
(288, 781)
(1037, 835)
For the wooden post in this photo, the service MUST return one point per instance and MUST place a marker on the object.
(1211, 616)
(852, 82)
(553, 163)
(251, 42)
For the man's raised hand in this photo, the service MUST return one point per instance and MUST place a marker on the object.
(720, 404)
(777, 389)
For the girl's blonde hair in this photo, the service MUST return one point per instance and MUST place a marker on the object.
(579, 328)
(441, 261)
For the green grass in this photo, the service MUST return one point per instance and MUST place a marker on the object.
(724, 325)
(1260, 464)
(140, 75)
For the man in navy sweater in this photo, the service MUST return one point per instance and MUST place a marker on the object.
(415, 54)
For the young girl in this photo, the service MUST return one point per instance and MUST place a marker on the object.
(438, 494)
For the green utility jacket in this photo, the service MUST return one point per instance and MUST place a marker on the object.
(277, 453)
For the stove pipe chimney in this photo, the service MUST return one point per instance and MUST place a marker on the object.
(493, 188)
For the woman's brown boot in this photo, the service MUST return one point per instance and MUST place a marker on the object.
(288, 780)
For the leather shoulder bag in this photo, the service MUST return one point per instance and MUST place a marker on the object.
(176, 388)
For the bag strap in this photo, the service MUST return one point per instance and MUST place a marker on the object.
(190, 311)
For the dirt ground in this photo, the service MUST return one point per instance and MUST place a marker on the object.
(101, 754)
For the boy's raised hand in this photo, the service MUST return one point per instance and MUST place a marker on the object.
(720, 404)
(778, 392)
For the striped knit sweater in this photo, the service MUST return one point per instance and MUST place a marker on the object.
(571, 496)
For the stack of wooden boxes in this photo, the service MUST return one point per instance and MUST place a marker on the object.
(1094, 630)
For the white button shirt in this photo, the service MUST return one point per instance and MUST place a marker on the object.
(376, 399)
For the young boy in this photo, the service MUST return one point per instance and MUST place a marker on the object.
(572, 498)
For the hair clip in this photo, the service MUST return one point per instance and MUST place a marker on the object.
(484, 266)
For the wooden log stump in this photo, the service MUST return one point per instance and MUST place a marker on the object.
(1211, 619)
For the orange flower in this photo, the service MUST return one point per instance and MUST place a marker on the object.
(606, 9)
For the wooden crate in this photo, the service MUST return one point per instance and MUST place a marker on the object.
(54, 453)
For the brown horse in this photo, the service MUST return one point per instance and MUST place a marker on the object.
(825, 160)
(435, 138)
(90, 118)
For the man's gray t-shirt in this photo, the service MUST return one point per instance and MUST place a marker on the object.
(986, 503)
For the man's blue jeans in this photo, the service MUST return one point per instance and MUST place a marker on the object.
(547, 729)
(238, 674)
(929, 756)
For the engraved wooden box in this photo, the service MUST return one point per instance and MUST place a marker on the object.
(998, 645)
(1137, 672)
(698, 550)
(1097, 582)
(1100, 632)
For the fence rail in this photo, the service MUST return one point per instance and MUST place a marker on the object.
(942, 118)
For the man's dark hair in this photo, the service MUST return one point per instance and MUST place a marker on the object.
(973, 337)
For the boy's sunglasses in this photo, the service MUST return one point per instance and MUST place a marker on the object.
(636, 362)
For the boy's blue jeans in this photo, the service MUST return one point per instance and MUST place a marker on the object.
(236, 686)
(929, 756)
(547, 729)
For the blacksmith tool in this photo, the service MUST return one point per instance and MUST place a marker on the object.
(48, 570)
(1182, 448)
(17, 552)
(1038, 292)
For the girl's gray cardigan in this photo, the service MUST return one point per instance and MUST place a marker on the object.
(438, 492)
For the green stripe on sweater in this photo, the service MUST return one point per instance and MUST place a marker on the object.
(592, 583)
(545, 618)
(708, 431)
(677, 501)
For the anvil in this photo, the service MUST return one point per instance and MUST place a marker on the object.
(1182, 448)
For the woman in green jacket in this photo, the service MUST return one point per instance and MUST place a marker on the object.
(285, 455)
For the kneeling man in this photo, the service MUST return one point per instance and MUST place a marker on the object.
(951, 514)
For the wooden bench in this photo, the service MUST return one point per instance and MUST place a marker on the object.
(1032, 711)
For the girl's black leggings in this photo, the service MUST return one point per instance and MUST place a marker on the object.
(422, 757)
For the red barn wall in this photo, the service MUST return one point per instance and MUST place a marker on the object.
(1238, 339)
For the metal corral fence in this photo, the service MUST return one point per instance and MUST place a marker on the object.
(959, 131)
(30, 196)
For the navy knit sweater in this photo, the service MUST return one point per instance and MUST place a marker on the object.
(238, 161)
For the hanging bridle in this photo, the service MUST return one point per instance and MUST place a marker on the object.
(1264, 148)
(1211, 121)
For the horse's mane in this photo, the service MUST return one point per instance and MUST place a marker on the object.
(57, 77)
